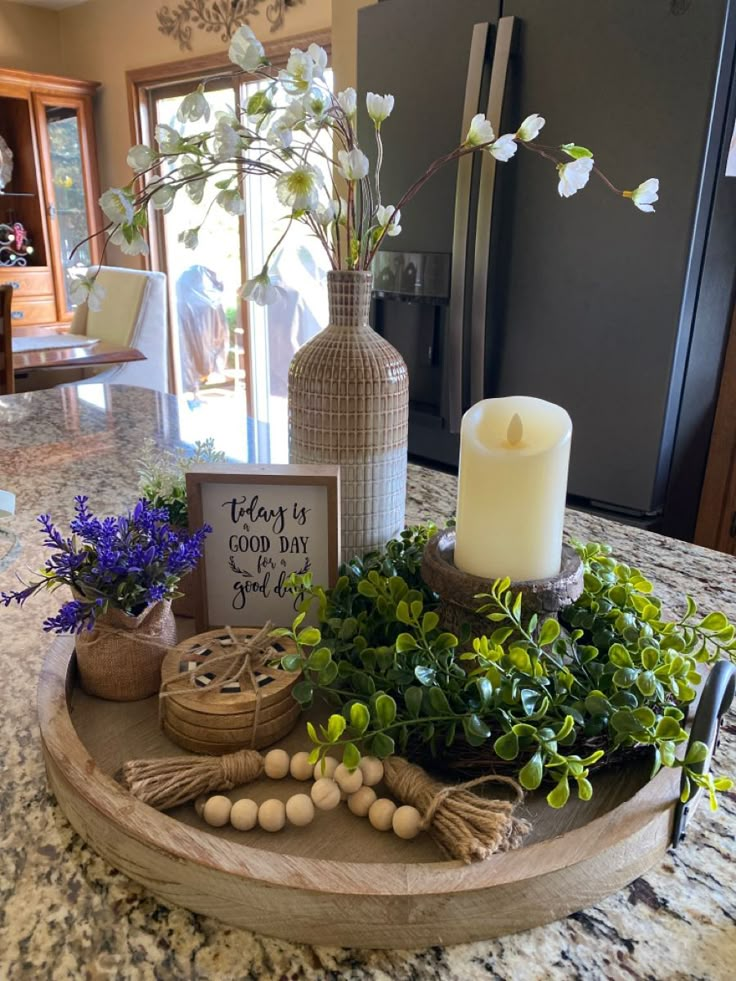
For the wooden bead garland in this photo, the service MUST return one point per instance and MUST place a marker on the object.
(466, 826)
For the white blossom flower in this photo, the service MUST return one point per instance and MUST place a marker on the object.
(335, 210)
(189, 238)
(168, 139)
(296, 78)
(379, 107)
(480, 131)
(194, 107)
(504, 148)
(117, 205)
(319, 58)
(348, 102)
(645, 195)
(226, 140)
(129, 239)
(163, 198)
(574, 176)
(231, 202)
(384, 218)
(246, 50)
(258, 105)
(86, 289)
(530, 128)
(280, 134)
(298, 189)
(192, 172)
(261, 289)
(316, 102)
(140, 157)
(353, 164)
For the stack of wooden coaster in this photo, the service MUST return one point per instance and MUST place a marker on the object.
(222, 721)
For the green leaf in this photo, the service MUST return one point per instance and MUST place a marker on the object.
(359, 717)
(597, 704)
(327, 675)
(438, 700)
(558, 797)
(302, 692)
(405, 642)
(646, 683)
(291, 662)
(645, 716)
(312, 732)
(667, 728)
(424, 675)
(382, 745)
(485, 691)
(714, 621)
(366, 589)
(506, 747)
(585, 788)
(530, 775)
(309, 637)
(549, 633)
(649, 658)
(529, 699)
(351, 756)
(335, 727)
(566, 727)
(319, 659)
(314, 755)
(385, 709)
(618, 655)
(413, 700)
(429, 622)
(576, 152)
(697, 753)
(625, 677)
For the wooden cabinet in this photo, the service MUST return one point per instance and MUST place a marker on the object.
(48, 124)
(716, 527)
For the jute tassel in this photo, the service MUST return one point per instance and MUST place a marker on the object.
(166, 783)
(464, 825)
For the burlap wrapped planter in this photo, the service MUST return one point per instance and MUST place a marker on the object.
(120, 658)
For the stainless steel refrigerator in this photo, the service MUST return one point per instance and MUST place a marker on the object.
(498, 286)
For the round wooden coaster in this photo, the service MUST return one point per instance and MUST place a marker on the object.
(266, 736)
(221, 721)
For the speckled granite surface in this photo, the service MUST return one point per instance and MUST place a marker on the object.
(64, 913)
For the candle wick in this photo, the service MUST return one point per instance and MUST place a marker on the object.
(515, 432)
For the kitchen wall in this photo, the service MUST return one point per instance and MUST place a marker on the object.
(345, 40)
(103, 39)
(30, 38)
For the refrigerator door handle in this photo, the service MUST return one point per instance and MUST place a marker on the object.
(456, 313)
(505, 36)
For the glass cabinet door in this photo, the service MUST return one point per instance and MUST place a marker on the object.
(70, 196)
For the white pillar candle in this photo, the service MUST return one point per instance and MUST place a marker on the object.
(514, 454)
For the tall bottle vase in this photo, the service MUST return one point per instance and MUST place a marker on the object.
(349, 405)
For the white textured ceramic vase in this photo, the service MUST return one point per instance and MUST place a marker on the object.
(349, 405)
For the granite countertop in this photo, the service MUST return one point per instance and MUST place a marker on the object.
(64, 913)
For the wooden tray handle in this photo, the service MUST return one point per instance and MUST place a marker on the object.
(718, 693)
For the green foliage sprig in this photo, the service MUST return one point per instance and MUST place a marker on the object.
(550, 699)
(162, 476)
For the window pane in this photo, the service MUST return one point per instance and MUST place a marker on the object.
(69, 198)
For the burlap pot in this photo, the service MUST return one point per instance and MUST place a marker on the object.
(185, 605)
(120, 658)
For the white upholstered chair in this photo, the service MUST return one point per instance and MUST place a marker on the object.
(133, 313)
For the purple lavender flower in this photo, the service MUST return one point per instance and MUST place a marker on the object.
(126, 562)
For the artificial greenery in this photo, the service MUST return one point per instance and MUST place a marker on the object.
(550, 699)
(162, 476)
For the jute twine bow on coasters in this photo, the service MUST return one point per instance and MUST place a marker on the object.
(237, 663)
(464, 825)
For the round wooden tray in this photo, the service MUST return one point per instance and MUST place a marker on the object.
(337, 882)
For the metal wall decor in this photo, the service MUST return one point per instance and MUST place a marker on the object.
(15, 245)
(225, 16)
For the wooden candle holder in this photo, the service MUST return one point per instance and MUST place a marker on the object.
(458, 590)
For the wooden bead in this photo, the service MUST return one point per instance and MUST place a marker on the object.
(348, 780)
(244, 814)
(300, 810)
(372, 770)
(406, 822)
(360, 802)
(276, 764)
(381, 813)
(272, 815)
(325, 794)
(301, 768)
(325, 768)
(216, 811)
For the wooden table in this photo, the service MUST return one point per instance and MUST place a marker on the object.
(81, 356)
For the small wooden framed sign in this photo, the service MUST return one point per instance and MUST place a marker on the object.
(267, 522)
